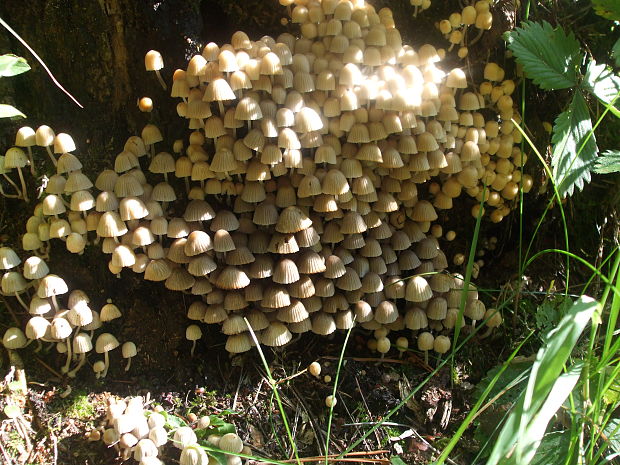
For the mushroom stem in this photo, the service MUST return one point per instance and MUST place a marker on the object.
(426, 357)
(128, 364)
(22, 303)
(10, 181)
(161, 81)
(33, 171)
(65, 368)
(73, 372)
(55, 304)
(8, 196)
(193, 347)
(487, 333)
(51, 155)
(106, 360)
(22, 180)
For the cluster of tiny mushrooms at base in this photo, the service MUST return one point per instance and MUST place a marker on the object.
(303, 198)
(139, 430)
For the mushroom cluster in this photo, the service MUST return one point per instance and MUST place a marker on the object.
(142, 432)
(70, 327)
(306, 196)
(457, 27)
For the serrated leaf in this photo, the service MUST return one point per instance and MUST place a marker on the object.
(612, 432)
(549, 56)
(604, 84)
(9, 111)
(549, 446)
(608, 162)
(574, 153)
(12, 65)
(608, 9)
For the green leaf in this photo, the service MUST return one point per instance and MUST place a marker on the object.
(12, 411)
(612, 432)
(549, 56)
(12, 65)
(604, 84)
(608, 9)
(549, 447)
(172, 421)
(608, 162)
(574, 153)
(9, 111)
(547, 388)
(396, 460)
(615, 52)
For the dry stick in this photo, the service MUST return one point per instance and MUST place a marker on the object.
(7, 459)
(350, 457)
(25, 44)
(10, 309)
(48, 368)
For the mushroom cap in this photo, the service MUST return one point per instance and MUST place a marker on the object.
(230, 442)
(13, 283)
(105, 343)
(14, 338)
(153, 61)
(129, 349)
(51, 285)
(8, 258)
(82, 343)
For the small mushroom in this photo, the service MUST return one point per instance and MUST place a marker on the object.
(425, 343)
(153, 61)
(193, 333)
(129, 350)
(105, 343)
(81, 345)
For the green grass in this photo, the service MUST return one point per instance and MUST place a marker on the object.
(79, 406)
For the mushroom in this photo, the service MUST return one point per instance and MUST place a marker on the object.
(193, 333)
(425, 343)
(4, 171)
(105, 343)
(153, 61)
(129, 350)
(16, 158)
(81, 345)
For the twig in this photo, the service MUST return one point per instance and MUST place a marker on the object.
(8, 307)
(7, 459)
(49, 368)
(55, 443)
(38, 58)
(234, 404)
(355, 457)
(368, 412)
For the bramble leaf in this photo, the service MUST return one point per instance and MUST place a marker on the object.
(9, 111)
(615, 52)
(12, 65)
(604, 84)
(608, 162)
(574, 147)
(549, 56)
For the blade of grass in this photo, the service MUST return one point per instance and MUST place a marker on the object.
(456, 437)
(331, 407)
(546, 370)
(274, 387)
(38, 58)
(468, 272)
